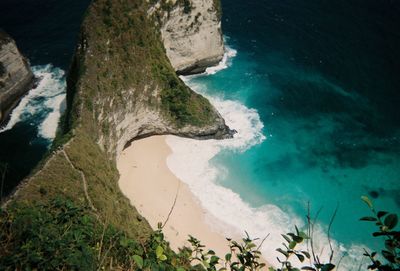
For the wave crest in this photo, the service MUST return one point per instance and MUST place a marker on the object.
(230, 214)
(224, 63)
(46, 101)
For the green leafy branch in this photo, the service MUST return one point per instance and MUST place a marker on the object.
(244, 255)
(386, 224)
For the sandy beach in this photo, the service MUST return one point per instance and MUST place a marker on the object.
(146, 180)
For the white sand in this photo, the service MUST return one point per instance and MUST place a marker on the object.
(151, 187)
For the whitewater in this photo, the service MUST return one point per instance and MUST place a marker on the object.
(43, 104)
(226, 210)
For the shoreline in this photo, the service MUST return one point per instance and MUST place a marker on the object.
(151, 187)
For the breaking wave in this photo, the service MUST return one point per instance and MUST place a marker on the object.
(44, 104)
(234, 215)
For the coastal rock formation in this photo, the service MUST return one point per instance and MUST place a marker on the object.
(16, 77)
(191, 32)
(120, 86)
(122, 75)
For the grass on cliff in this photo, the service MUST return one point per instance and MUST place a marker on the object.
(127, 62)
(50, 224)
(125, 53)
(60, 235)
(119, 58)
(59, 178)
(184, 106)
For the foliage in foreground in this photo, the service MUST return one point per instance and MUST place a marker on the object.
(246, 255)
(386, 224)
(61, 236)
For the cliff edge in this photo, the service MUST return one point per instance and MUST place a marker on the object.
(16, 77)
(191, 32)
(121, 86)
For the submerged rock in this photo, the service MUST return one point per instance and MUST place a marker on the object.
(16, 77)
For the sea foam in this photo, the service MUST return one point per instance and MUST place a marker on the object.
(46, 100)
(224, 63)
(234, 215)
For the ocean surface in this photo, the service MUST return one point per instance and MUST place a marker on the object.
(312, 87)
(45, 32)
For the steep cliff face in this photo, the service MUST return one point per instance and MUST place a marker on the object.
(124, 82)
(191, 32)
(16, 76)
(120, 86)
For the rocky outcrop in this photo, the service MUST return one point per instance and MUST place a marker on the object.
(16, 77)
(144, 121)
(191, 32)
(122, 85)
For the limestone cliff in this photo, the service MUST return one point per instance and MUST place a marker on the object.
(15, 75)
(120, 86)
(191, 32)
(124, 82)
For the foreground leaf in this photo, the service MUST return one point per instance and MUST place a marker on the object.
(391, 221)
(138, 261)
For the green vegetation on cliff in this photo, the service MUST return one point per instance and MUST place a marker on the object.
(70, 214)
(126, 55)
(59, 235)
(119, 65)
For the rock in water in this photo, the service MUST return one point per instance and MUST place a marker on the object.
(16, 77)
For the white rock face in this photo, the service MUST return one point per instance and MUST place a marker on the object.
(194, 42)
(15, 75)
(137, 120)
(192, 36)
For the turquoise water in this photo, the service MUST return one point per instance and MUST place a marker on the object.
(297, 162)
(325, 90)
(322, 77)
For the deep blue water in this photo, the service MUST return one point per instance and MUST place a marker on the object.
(324, 78)
(45, 32)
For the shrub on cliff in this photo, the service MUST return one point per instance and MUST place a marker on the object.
(245, 255)
(389, 258)
(63, 236)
